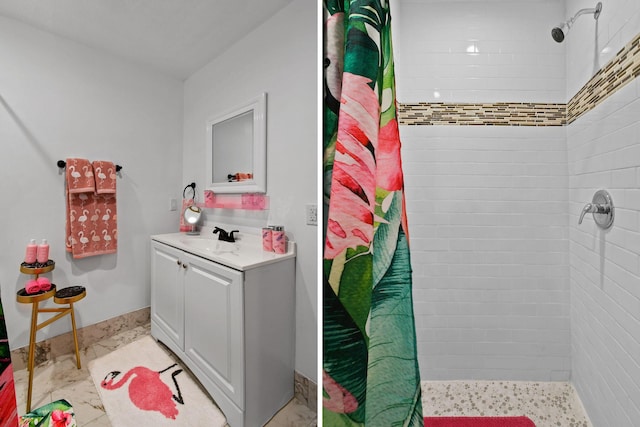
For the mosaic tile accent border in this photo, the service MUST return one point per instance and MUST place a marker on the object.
(486, 114)
(622, 69)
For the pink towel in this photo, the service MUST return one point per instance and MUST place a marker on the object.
(105, 175)
(80, 176)
(32, 287)
(43, 283)
(92, 219)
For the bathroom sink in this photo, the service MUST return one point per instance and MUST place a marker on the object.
(243, 254)
(211, 245)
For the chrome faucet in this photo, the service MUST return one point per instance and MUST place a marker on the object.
(593, 208)
(224, 236)
(602, 209)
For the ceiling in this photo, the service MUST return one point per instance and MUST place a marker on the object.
(177, 37)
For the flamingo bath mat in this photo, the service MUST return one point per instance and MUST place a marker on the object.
(140, 385)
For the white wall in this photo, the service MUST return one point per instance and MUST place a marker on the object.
(487, 219)
(487, 206)
(61, 99)
(516, 59)
(604, 152)
(279, 58)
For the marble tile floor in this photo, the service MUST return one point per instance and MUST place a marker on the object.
(60, 379)
(547, 404)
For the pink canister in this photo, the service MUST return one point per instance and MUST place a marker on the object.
(267, 242)
(279, 239)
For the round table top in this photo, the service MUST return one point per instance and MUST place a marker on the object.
(70, 294)
(37, 268)
(25, 298)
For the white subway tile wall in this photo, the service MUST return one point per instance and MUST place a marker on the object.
(488, 226)
(604, 152)
(476, 51)
(487, 205)
(506, 284)
(591, 46)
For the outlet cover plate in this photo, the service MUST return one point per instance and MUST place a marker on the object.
(312, 214)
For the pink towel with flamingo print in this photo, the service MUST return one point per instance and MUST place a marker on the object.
(105, 175)
(80, 176)
(91, 223)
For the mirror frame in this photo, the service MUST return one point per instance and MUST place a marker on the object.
(258, 184)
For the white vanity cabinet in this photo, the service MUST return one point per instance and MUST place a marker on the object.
(167, 294)
(233, 328)
(213, 324)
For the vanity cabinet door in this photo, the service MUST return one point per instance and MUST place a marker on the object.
(167, 292)
(214, 324)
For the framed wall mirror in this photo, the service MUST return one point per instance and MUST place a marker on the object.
(237, 148)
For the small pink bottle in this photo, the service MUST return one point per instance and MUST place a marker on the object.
(32, 251)
(279, 239)
(43, 252)
(267, 239)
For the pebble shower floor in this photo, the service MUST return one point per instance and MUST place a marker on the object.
(547, 404)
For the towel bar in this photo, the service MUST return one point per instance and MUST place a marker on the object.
(62, 164)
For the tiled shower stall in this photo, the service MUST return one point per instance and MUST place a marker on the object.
(506, 136)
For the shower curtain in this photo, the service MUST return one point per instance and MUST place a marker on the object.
(8, 404)
(370, 367)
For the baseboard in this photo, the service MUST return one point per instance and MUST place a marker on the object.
(60, 345)
(306, 391)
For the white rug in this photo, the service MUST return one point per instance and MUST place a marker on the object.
(141, 385)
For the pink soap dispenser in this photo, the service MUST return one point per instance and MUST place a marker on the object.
(31, 254)
(279, 239)
(267, 239)
(43, 252)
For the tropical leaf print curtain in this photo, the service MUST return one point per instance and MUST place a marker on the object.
(370, 368)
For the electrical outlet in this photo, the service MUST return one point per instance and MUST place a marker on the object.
(312, 214)
(173, 205)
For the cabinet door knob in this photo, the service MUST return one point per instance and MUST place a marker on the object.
(179, 262)
(184, 265)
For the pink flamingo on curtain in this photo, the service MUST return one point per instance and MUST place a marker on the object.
(147, 390)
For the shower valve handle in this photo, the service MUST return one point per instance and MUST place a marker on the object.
(593, 208)
(587, 208)
(602, 209)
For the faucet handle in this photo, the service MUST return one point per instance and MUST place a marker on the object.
(223, 234)
(588, 208)
(602, 209)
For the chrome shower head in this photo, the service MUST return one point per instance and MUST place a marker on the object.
(558, 33)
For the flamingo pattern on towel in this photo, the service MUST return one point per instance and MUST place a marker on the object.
(105, 176)
(91, 226)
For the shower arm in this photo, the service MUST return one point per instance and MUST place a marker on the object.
(595, 10)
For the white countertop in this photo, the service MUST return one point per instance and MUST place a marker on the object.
(246, 253)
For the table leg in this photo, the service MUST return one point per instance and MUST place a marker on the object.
(75, 334)
(32, 348)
